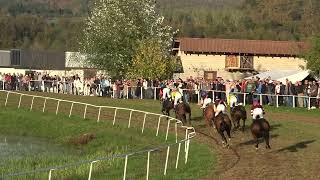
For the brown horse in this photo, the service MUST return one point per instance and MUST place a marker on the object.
(238, 113)
(182, 110)
(260, 128)
(223, 124)
(208, 114)
(167, 106)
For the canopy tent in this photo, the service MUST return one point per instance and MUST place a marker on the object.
(295, 77)
(282, 75)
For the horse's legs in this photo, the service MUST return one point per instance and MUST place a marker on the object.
(208, 123)
(185, 118)
(257, 142)
(224, 139)
(267, 140)
(163, 111)
(234, 123)
(244, 124)
(228, 133)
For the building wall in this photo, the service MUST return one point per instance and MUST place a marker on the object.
(277, 63)
(5, 58)
(194, 65)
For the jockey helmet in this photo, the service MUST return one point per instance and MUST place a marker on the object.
(204, 94)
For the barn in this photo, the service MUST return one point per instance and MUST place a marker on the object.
(234, 59)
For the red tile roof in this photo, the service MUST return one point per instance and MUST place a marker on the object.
(235, 46)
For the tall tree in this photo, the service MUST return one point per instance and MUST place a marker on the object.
(313, 57)
(151, 62)
(115, 28)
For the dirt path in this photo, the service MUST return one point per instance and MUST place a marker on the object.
(242, 161)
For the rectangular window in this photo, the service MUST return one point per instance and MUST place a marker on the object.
(210, 75)
(232, 61)
(246, 62)
(15, 56)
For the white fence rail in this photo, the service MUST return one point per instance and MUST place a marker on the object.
(189, 134)
(190, 95)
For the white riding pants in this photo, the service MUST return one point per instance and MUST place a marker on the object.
(177, 99)
(221, 108)
(257, 112)
(233, 101)
(206, 102)
(166, 93)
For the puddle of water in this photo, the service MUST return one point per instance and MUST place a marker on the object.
(20, 147)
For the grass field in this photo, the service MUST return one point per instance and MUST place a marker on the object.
(57, 131)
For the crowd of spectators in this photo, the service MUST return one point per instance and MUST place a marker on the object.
(289, 94)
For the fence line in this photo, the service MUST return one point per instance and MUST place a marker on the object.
(152, 93)
(189, 134)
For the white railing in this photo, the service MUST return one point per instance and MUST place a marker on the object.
(153, 93)
(189, 134)
(278, 100)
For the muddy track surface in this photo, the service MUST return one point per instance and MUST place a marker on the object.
(242, 161)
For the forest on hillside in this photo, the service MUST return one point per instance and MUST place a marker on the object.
(55, 24)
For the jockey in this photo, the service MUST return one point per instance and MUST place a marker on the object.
(206, 101)
(233, 100)
(166, 92)
(180, 89)
(221, 107)
(176, 97)
(257, 110)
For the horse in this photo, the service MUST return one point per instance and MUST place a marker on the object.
(182, 109)
(167, 105)
(208, 114)
(223, 124)
(260, 128)
(238, 113)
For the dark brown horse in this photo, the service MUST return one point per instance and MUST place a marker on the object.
(167, 106)
(238, 113)
(208, 114)
(260, 128)
(182, 110)
(223, 124)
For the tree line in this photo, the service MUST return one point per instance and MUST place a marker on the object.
(52, 26)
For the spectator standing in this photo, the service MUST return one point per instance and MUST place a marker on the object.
(313, 94)
(299, 90)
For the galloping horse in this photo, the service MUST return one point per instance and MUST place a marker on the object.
(260, 128)
(208, 114)
(182, 110)
(223, 124)
(167, 105)
(238, 113)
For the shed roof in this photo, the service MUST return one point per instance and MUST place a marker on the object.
(237, 46)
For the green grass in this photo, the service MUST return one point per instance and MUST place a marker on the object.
(289, 134)
(118, 139)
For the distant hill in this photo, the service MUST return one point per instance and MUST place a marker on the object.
(79, 7)
(54, 24)
(45, 7)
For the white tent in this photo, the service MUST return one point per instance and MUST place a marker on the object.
(282, 75)
(295, 77)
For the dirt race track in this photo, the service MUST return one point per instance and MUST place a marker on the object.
(288, 159)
